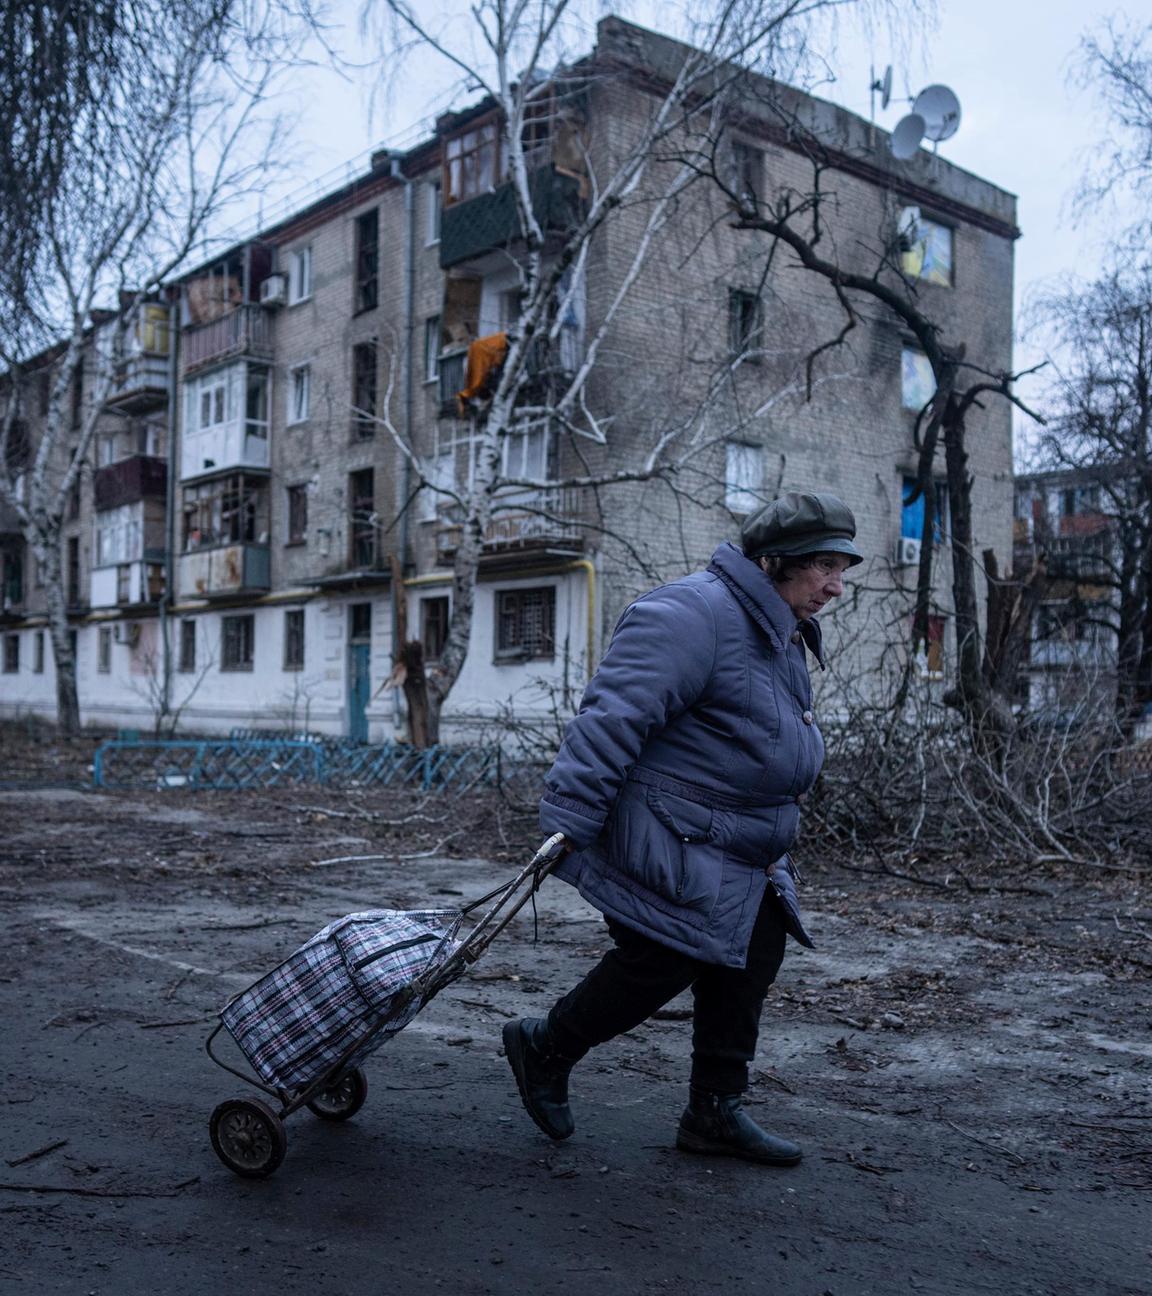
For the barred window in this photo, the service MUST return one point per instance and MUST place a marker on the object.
(525, 623)
(238, 642)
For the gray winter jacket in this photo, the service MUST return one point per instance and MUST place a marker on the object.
(680, 780)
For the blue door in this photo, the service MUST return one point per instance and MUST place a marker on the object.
(359, 663)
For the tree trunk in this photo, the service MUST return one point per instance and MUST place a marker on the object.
(67, 699)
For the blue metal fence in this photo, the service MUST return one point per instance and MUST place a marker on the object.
(244, 761)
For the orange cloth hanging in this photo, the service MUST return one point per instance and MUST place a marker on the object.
(485, 356)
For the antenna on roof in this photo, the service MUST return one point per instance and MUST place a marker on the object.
(905, 140)
(935, 116)
(881, 87)
(941, 112)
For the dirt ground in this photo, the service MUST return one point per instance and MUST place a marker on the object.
(968, 1073)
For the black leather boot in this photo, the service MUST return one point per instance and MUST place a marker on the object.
(714, 1124)
(541, 1075)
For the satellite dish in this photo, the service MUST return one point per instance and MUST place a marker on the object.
(941, 112)
(883, 88)
(907, 136)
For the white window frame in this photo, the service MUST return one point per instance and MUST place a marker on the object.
(912, 356)
(743, 477)
(299, 394)
(435, 192)
(300, 275)
(432, 349)
(441, 473)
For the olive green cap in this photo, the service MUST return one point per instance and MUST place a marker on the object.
(801, 523)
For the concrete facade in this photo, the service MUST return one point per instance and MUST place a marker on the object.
(287, 494)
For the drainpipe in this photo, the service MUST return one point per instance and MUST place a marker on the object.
(397, 173)
(166, 599)
(588, 568)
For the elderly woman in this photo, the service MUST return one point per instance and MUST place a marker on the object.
(678, 787)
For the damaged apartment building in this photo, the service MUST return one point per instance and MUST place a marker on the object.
(248, 533)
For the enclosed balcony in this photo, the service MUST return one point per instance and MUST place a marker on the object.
(243, 331)
(471, 228)
(133, 479)
(139, 383)
(225, 572)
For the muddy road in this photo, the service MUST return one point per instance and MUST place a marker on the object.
(968, 1074)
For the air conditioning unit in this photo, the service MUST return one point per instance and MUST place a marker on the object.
(126, 632)
(274, 290)
(907, 552)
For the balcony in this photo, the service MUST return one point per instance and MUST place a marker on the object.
(225, 572)
(527, 521)
(129, 481)
(490, 221)
(139, 383)
(245, 331)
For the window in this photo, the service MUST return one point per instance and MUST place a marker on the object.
(472, 162)
(299, 276)
(747, 177)
(364, 391)
(298, 393)
(743, 477)
(124, 583)
(73, 571)
(912, 514)
(362, 523)
(927, 253)
(367, 260)
(228, 510)
(11, 654)
(435, 202)
(12, 578)
(294, 639)
(360, 623)
(511, 303)
(745, 324)
(432, 348)
(525, 623)
(104, 651)
(187, 660)
(917, 381)
(297, 514)
(442, 475)
(74, 645)
(213, 400)
(526, 452)
(38, 652)
(256, 403)
(238, 642)
(931, 654)
(433, 627)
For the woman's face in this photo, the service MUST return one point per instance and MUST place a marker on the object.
(807, 589)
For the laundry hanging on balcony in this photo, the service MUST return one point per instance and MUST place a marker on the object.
(485, 356)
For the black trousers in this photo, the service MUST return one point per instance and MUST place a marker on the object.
(640, 975)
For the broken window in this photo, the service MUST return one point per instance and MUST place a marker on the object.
(367, 260)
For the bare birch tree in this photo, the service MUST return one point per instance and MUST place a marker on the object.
(133, 164)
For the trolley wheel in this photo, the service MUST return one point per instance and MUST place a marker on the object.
(248, 1137)
(343, 1099)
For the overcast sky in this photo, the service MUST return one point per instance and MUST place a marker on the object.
(1025, 126)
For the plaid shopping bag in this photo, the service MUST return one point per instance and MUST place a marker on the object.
(352, 982)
